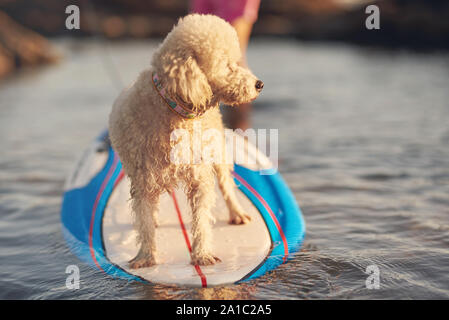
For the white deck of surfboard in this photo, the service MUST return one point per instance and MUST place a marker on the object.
(241, 248)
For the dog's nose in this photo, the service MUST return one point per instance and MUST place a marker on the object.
(259, 85)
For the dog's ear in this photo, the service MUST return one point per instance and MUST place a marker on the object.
(185, 80)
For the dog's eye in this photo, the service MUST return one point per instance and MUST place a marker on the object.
(231, 67)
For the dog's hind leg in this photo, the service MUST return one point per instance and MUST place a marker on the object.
(144, 211)
(201, 197)
(227, 186)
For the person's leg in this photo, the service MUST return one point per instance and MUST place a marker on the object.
(243, 28)
(241, 14)
(239, 117)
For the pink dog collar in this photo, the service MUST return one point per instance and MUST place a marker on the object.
(172, 105)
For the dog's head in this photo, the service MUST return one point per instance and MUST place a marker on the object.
(198, 63)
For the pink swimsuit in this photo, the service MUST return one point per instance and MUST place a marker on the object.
(228, 9)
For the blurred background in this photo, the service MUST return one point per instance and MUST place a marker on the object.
(364, 139)
(417, 24)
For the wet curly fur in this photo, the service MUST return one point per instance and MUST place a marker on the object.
(198, 64)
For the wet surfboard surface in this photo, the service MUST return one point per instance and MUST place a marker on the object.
(97, 223)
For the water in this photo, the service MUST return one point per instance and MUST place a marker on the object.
(364, 145)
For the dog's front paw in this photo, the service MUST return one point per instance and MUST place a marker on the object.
(205, 260)
(239, 218)
(141, 261)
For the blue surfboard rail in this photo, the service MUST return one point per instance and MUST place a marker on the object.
(83, 209)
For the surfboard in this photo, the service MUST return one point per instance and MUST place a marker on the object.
(97, 222)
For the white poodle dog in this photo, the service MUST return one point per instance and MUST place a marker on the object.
(193, 70)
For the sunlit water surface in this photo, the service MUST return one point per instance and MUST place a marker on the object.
(364, 145)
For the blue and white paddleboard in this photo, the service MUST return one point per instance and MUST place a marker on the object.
(97, 225)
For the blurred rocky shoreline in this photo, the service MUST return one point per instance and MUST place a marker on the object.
(21, 47)
(417, 24)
